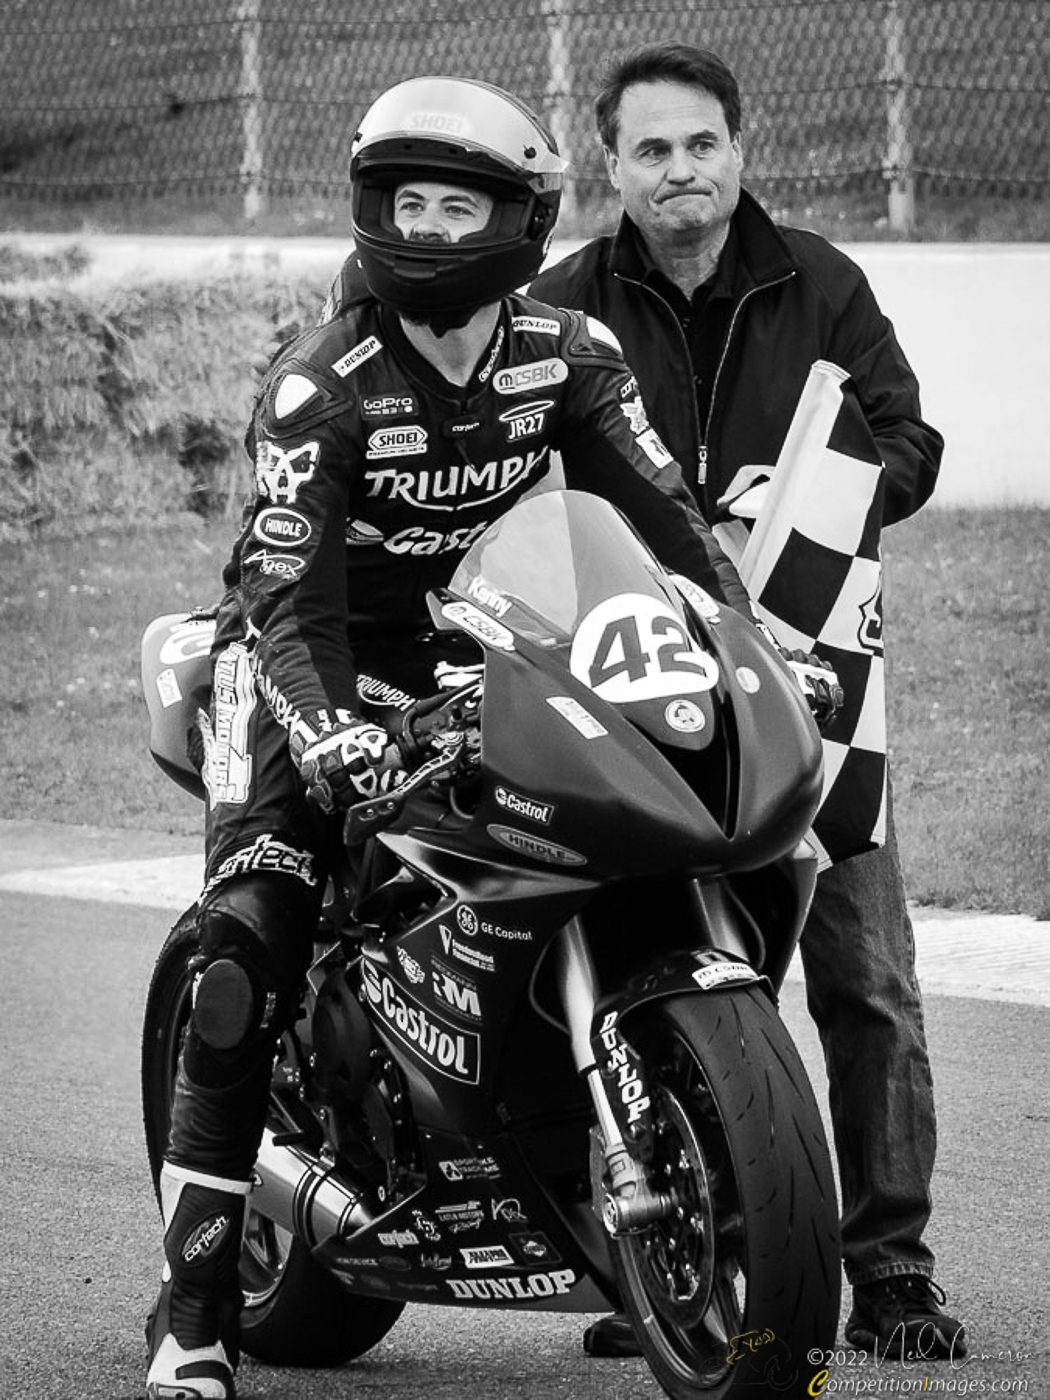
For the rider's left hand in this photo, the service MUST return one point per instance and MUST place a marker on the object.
(818, 683)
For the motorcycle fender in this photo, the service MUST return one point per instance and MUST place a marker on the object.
(684, 970)
(679, 973)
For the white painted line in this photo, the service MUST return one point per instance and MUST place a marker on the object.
(170, 882)
(992, 957)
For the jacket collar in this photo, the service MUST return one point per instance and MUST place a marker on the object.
(427, 374)
(761, 251)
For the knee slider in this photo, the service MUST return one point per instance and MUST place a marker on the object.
(240, 990)
(226, 1005)
(255, 947)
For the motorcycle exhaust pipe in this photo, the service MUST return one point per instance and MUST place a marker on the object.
(306, 1195)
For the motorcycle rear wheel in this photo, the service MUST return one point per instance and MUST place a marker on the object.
(295, 1314)
(730, 1293)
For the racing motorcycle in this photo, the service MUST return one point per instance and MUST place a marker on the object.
(538, 1063)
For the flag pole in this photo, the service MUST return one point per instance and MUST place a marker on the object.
(807, 437)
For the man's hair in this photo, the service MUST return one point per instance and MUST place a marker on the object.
(667, 62)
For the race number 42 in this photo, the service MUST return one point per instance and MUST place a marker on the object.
(633, 647)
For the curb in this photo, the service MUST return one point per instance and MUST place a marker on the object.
(959, 953)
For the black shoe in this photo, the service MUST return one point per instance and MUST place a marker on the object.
(900, 1318)
(611, 1336)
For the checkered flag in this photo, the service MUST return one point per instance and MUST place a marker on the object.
(813, 567)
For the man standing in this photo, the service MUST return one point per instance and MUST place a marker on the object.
(721, 314)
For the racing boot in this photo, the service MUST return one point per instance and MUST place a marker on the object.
(192, 1331)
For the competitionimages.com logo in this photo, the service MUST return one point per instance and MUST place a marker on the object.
(953, 1378)
(823, 1383)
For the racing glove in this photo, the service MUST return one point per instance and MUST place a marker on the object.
(818, 683)
(351, 763)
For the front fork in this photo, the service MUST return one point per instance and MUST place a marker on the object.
(622, 1194)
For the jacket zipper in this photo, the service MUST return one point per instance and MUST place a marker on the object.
(703, 430)
(697, 427)
(749, 293)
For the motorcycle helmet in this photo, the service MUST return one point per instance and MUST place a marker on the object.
(462, 132)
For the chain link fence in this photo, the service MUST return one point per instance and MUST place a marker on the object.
(139, 99)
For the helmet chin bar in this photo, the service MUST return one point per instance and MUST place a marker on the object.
(424, 278)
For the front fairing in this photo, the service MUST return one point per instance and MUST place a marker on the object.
(627, 730)
(566, 572)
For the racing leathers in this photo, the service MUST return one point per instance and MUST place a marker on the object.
(373, 477)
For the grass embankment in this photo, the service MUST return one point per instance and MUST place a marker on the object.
(969, 693)
(128, 403)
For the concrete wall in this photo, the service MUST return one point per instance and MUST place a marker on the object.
(975, 324)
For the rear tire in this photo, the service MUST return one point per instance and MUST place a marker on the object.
(295, 1313)
(731, 1293)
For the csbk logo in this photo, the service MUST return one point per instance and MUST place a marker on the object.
(518, 379)
(479, 625)
(453, 1053)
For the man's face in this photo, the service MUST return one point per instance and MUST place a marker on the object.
(675, 167)
(428, 212)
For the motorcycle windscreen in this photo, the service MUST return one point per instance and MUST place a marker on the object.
(565, 570)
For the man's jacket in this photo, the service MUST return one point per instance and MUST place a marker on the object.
(374, 476)
(794, 299)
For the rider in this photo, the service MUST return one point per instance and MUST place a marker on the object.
(385, 441)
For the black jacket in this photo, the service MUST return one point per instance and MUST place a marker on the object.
(793, 298)
(374, 476)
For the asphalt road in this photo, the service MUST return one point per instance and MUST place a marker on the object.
(79, 1237)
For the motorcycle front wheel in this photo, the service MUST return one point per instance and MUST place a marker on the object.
(732, 1291)
(295, 1314)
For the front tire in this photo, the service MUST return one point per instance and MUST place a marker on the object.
(731, 1293)
(295, 1314)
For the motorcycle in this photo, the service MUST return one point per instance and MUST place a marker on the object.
(539, 1063)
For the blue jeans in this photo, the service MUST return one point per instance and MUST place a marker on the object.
(858, 953)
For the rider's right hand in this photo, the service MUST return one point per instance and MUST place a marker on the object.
(351, 763)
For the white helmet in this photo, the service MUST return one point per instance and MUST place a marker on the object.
(462, 132)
